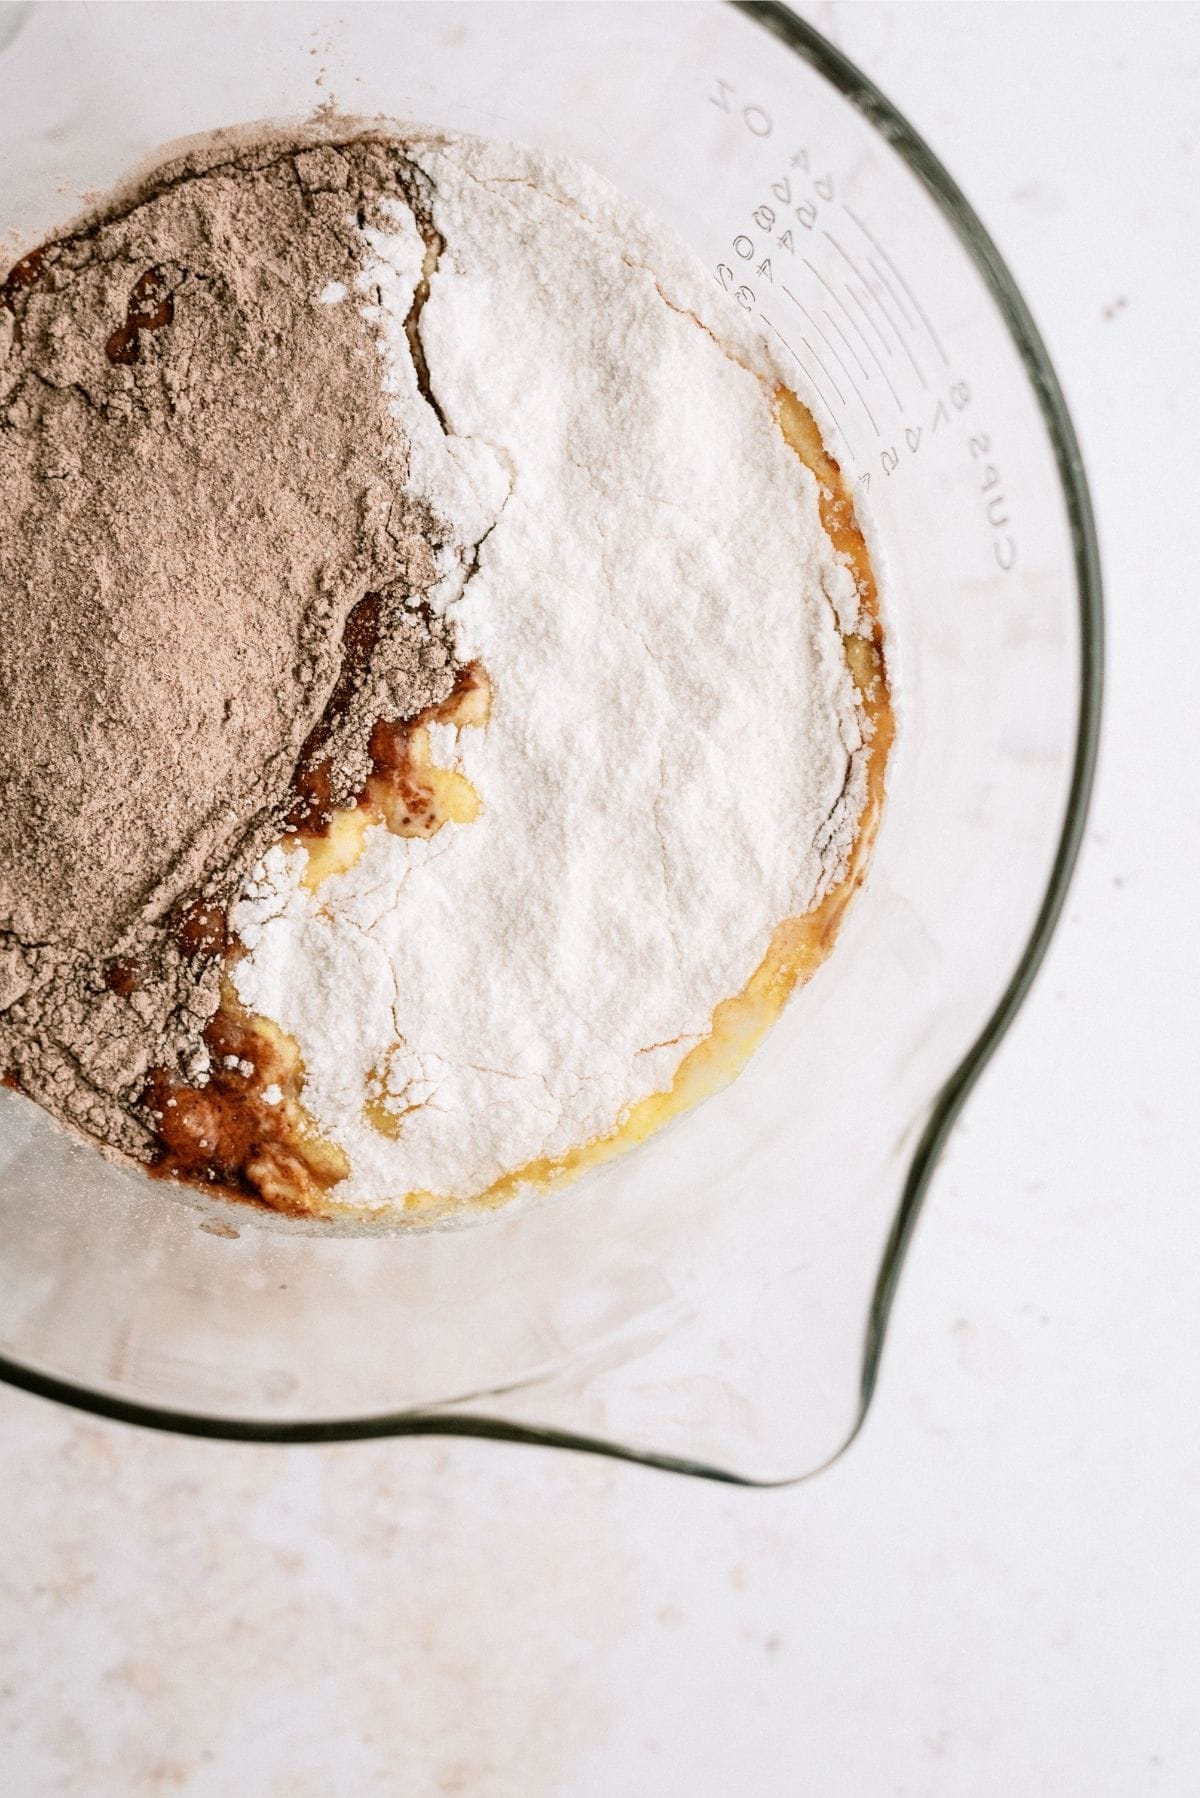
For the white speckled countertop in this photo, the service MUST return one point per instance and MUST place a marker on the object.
(990, 1594)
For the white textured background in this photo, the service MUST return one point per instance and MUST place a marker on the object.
(996, 1594)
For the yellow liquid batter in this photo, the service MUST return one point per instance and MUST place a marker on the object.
(296, 1170)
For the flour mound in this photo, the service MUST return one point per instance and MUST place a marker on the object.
(675, 759)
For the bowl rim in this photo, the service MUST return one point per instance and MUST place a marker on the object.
(805, 41)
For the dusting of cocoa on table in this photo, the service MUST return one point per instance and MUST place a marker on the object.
(196, 542)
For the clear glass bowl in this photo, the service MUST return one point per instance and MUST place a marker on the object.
(717, 1301)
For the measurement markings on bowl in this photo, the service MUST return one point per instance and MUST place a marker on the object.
(824, 284)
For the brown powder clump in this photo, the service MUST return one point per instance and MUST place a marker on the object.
(211, 584)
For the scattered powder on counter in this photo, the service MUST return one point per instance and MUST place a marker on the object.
(674, 761)
(209, 560)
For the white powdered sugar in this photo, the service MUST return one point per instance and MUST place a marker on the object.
(674, 760)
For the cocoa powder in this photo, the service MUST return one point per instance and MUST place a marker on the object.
(210, 593)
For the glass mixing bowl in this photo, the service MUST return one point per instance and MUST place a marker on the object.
(715, 1302)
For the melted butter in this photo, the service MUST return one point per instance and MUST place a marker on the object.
(382, 1111)
(229, 1136)
(452, 798)
(383, 1118)
(338, 849)
(407, 790)
(414, 797)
